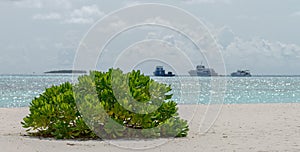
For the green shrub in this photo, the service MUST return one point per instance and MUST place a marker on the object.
(54, 114)
(112, 104)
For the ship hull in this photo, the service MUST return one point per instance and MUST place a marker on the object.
(196, 73)
(241, 74)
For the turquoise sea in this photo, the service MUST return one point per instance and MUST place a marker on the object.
(19, 90)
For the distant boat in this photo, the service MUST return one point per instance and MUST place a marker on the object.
(66, 72)
(159, 71)
(202, 71)
(241, 73)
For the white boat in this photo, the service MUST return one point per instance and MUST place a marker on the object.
(202, 71)
(241, 73)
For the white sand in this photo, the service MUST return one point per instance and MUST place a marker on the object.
(257, 127)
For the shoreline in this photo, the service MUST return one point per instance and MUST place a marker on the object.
(238, 127)
(193, 104)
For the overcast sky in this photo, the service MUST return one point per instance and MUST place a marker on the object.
(41, 35)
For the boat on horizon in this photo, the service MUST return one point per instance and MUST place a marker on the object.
(202, 71)
(241, 73)
(159, 71)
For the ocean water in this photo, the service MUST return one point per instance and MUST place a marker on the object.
(19, 90)
(235, 90)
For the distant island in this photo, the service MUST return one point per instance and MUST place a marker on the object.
(66, 72)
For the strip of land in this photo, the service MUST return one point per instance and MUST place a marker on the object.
(243, 127)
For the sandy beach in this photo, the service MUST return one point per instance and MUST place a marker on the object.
(244, 127)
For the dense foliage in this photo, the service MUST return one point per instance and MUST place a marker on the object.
(54, 114)
(112, 104)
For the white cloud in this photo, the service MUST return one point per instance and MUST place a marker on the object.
(295, 14)
(256, 51)
(50, 16)
(84, 15)
(262, 56)
(80, 20)
(87, 11)
(39, 4)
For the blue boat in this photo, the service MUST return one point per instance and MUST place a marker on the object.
(159, 71)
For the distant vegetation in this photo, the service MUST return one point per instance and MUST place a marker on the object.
(110, 104)
(66, 71)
